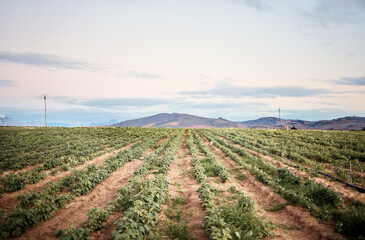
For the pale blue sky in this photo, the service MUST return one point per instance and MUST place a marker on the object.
(237, 59)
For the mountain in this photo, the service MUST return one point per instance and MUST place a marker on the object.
(5, 121)
(177, 120)
(345, 123)
(110, 122)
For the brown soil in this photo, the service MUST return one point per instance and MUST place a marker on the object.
(9, 199)
(186, 187)
(76, 211)
(291, 222)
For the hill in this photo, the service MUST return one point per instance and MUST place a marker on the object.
(6, 121)
(177, 120)
(110, 122)
(345, 123)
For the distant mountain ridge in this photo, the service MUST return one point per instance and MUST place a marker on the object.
(110, 122)
(179, 120)
(6, 121)
(345, 123)
(176, 120)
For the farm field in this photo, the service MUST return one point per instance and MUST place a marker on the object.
(162, 183)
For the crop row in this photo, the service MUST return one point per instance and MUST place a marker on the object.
(319, 200)
(152, 161)
(237, 221)
(124, 199)
(299, 152)
(39, 205)
(211, 161)
(15, 181)
(20, 148)
(328, 147)
(142, 215)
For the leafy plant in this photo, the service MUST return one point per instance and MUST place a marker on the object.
(177, 231)
(12, 182)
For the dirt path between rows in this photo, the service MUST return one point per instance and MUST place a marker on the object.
(186, 187)
(292, 222)
(76, 211)
(9, 199)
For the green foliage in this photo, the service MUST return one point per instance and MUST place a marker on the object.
(96, 217)
(179, 200)
(53, 172)
(351, 222)
(178, 231)
(35, 176)
(277, 207)
(40, 205)
(241, 176)
(65, 167)
(321, 201)
(12, 182)
(288, 177)
(322, 195)
(72, 233)
(211, 165)
(174, 214)
(242, 222)
(209, 169)
(142, 215)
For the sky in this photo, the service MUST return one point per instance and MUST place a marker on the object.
(238, 59)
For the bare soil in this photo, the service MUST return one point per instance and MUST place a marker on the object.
(183, 184)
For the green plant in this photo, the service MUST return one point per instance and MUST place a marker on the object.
(178, 231)
(179, 200)
(277, 207)
(174, 214)
(53, 172)
(72, 233)
(351, 222)
(12, 182)
(241, 176)
(65, 167)
(96, 217)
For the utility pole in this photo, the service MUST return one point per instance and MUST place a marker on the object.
(45, 110)
(279, 118)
